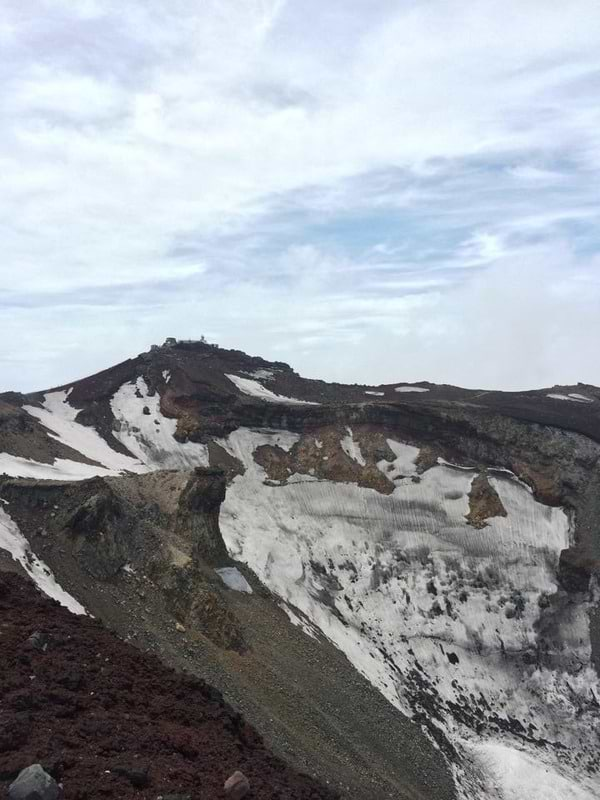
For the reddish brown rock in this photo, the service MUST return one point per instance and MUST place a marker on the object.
(237, 786)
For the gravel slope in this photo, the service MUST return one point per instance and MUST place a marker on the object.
(109, 721)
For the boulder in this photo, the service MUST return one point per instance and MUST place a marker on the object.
(38, 641)
(34, 783)
(237, 786)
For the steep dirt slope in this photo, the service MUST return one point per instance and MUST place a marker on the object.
(111, 722)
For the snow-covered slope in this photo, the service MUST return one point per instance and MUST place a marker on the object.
(442, 617)
(13, 541)
(60, 417)
(148, 434)
(62, 469)
(253, 388)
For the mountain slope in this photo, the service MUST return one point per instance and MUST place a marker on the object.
(144, 553)
(111, 722)
(444, 540)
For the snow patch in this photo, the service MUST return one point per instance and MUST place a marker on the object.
(376, 394)
(245, 440)
(12, 540)
(404, 463)
(574, 398)
(256, 389)
(233, 578)
(585, 399)
(352, 448)
(153, 444)
(58, 416)
(445, 463)
(166, 376)
(408, 389)
(61, 470)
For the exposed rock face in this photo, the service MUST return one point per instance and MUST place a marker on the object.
(202, 608)
(484, 502)
(13, 420)
(165, 524)
(445, 540)
(198, 514)
(100, 532)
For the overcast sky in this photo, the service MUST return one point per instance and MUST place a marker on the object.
(370, 190)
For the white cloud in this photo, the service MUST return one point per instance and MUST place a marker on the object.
(456, 135)
(528, 320)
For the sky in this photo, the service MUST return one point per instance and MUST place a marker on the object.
(372, 191)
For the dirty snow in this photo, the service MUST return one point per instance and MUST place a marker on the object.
(58, 416)
(12, 540)
(233, 579)
(151, 437)
(408, 389)
(410, 579)
(256, 389)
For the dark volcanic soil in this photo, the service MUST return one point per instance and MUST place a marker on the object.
(91, 705)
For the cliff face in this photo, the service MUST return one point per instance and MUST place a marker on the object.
(444, 540)
(163, 524)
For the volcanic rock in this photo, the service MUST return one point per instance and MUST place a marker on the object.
(237, 786)
(34, 783)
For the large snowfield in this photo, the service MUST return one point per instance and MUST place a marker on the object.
(427, 607)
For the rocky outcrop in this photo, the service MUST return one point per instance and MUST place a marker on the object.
(101, 532)
(484, 502)
(164, 524)
(198, 515)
